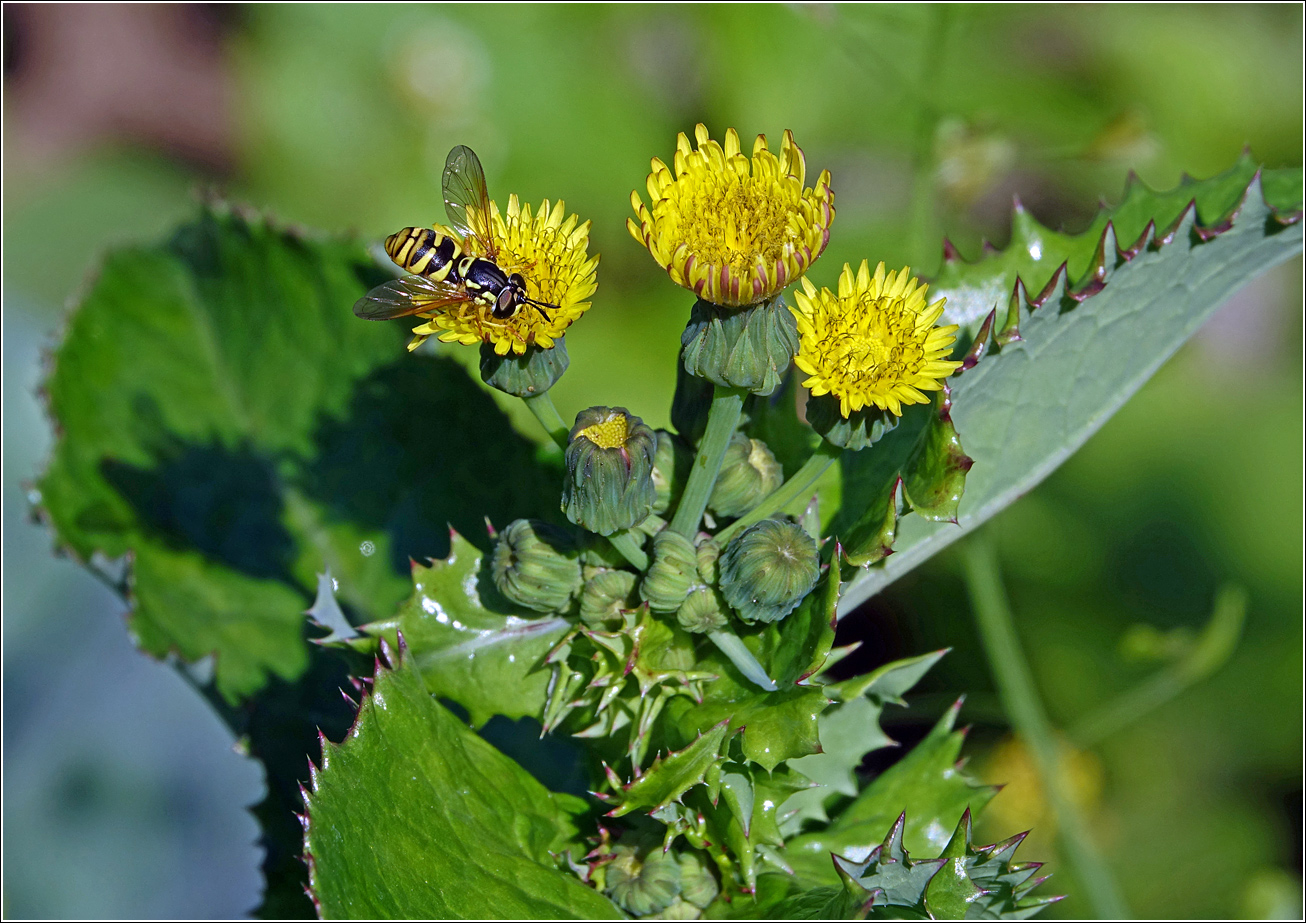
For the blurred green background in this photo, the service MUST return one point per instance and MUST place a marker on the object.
(122, 795)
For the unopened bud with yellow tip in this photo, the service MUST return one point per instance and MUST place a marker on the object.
(609, 479)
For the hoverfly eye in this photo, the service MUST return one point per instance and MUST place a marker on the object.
(506, 304)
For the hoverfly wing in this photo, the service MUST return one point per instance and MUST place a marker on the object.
(407, 296)
(466, 199)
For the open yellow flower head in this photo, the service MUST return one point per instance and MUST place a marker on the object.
(733, 231)
(549, 248)
(874, 342)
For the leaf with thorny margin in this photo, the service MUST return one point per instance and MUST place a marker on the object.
(670, 777)
(470, 644)
(849, 730)
(1088, 319)
(777, 725)
(928, 784)
(230, 427)
(414, 816)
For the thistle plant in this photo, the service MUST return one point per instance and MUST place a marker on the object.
(664, 602)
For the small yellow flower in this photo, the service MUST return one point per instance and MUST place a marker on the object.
(873, 343)
(733, 231)
(549, 249)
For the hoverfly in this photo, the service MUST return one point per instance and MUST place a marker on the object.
(443, 273)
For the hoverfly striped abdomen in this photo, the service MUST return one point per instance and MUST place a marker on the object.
(423, 252)
(443, 274)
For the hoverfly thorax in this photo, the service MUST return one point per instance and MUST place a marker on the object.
(450, 267)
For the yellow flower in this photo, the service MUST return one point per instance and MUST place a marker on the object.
(873, 343)
(549, 249)
(733, 232)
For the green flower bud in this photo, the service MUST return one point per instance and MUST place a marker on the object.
(671, 464)
(642, 884)
(679, 909)
(609, 480)
(697, 883)
(672, 573)
(702, 611)
(768, 569)
(708, 552)
(535, 565)
(527, 375)
(741, 347)
(748, 473)
(863, 428)
(604, 596)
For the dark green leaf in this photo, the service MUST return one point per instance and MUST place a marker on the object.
(229, 423)
(415, 816)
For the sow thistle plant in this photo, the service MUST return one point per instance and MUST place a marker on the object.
(674, 612)
(665, 601)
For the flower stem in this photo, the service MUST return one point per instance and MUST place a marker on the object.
(1030, 722)
(1211, 650)
(824, 456)
(731, 645)
(721, 420)
(542, 406)
(629, 547)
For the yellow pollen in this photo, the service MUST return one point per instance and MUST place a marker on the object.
(610, 433)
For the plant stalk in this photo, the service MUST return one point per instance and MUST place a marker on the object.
(733, 647)
(802, 480)
(542, 406)
(1030, 722)
(721, 421)
(630, 547)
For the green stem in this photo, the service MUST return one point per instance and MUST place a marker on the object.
(542, 406)
(733, 647)
(780, 498)
(1211, 651)
(1030, 723)
(631, 548)
(721, 421)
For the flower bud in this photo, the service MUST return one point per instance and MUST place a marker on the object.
(748, 473)
(708, 552)
(642, 884)
(672, 573)
(768, 569)
(605, 595)
(671, 464)
(535, 565)
(746, 348)
(527, 375)
(698, 885)
(702, 611)
(854, 432)
(609, 480)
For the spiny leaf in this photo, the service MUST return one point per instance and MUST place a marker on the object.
(927, 784)
(1088, 319)
(849, 730)
(413, 815)
(471, 645)
(669, 778)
